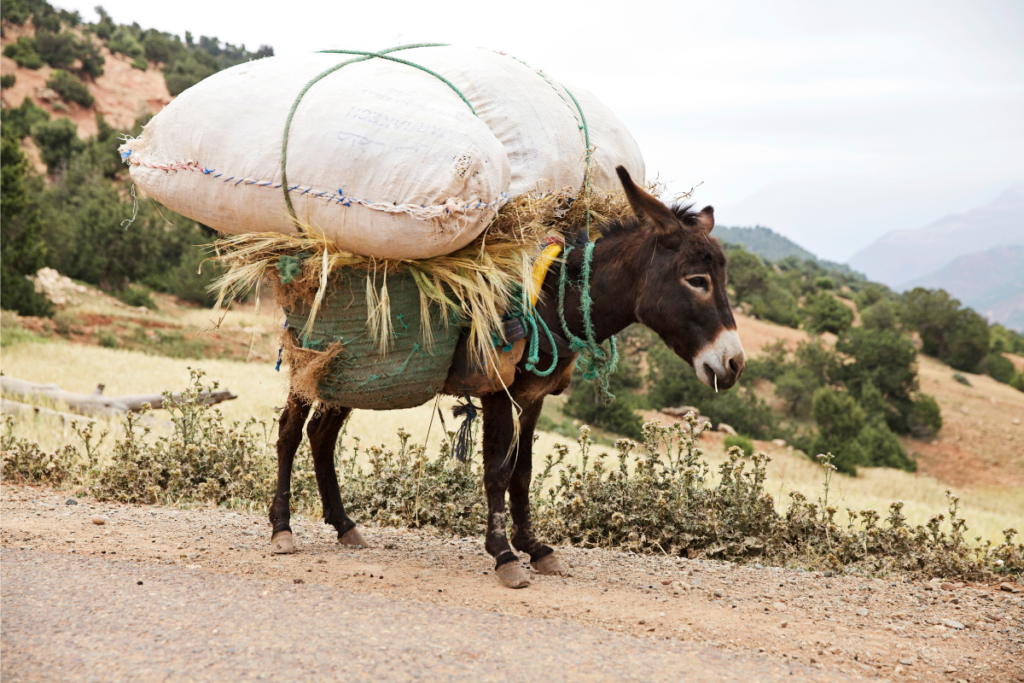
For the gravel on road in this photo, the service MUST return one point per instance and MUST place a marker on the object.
(88, 619)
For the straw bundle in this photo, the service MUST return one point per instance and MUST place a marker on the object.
(476, 283)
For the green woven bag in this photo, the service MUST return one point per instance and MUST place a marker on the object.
(358, 376)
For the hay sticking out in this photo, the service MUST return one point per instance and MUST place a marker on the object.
(306, 367)
(476, 283)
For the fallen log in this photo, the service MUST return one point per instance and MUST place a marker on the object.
(95, 403)
(24, 410)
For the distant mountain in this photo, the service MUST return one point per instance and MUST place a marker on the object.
(991, 282)
(763, 241)
(771, 245)
(901, 256)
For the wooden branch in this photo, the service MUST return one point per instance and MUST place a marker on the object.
(15, 408)
(95, 403)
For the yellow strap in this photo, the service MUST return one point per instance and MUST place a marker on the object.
(541, 267)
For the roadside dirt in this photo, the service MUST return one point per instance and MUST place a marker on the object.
(850, 624)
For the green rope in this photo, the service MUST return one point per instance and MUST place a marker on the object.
(596, 364)
(364, 56)
(533, 356)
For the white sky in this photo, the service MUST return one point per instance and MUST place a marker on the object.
(831, 123)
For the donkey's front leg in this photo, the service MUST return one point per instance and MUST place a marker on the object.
(542, 557)
(498, 433)
(323, 432)
(289, 436)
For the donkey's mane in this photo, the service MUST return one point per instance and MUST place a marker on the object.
(684, 212)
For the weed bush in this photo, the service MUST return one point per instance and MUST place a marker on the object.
(666, 504)
(70, 88)
(24, 53)
(8, 81)
(741, 442)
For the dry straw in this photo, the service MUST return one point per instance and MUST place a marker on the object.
(476, 283)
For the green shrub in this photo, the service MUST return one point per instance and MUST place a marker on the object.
(879, 316)
(136, 295)
(925, 418)
(24, 53)
(186, 72)
(140, 64)
(888, 360)
(840, 420)
(18, 122)
(824, 283)
(59, 50)
(825, 313)
(957, 336)
(1017, 381)
(107, 339)
(1000, 368)
(124, 40)
(739, 441)
(8, 81)
(70, 88)
(618, 416)
(22, 244)
(57, 140)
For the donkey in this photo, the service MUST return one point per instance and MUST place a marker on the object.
(659, 268)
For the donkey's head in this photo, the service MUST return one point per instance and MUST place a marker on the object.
(681, 286)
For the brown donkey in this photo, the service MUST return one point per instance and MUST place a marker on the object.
(660, 269)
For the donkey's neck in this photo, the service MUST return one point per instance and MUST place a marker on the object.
(612, 290)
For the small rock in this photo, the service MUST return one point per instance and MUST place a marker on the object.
(784, 624)
(1010, 588)
(949, 669)
(99, 519)
(298, 581)
(666, 582)
(726, 429)
(951, 586)
(71, 501)
(779, 606)
(953, 624)
(862, 612)
(898, 670)
(907, 662)
(781, 443)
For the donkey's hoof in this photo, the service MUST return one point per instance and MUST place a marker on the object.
(512, 575)
(353, 538)
(281, 543)
(550, 565)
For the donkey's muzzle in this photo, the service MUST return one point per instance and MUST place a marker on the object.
(720, 363)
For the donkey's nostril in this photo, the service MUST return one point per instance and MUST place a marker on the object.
(734, 366)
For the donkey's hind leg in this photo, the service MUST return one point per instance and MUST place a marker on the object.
(323, 432)
(289, 436)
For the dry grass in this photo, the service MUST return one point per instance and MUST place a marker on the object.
(80, 368)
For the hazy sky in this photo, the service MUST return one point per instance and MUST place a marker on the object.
(831, 123)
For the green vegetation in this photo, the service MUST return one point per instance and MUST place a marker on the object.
(69, 87)
(86, 221)
(8, 81)
(656, 496)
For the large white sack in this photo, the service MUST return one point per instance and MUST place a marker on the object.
(383, 158)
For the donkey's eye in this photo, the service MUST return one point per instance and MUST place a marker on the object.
(698, 281)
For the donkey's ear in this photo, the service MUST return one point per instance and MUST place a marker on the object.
(651, 212)
(706, 220)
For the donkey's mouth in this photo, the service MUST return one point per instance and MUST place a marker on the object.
(720, 363)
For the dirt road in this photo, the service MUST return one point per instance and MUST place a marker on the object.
(214, 603)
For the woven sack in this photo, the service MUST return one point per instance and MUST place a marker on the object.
(384, 158)
(339, 362)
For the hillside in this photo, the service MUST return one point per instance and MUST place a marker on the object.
(991, 282)
(763, 241)
(122, 93)
(901, 256)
